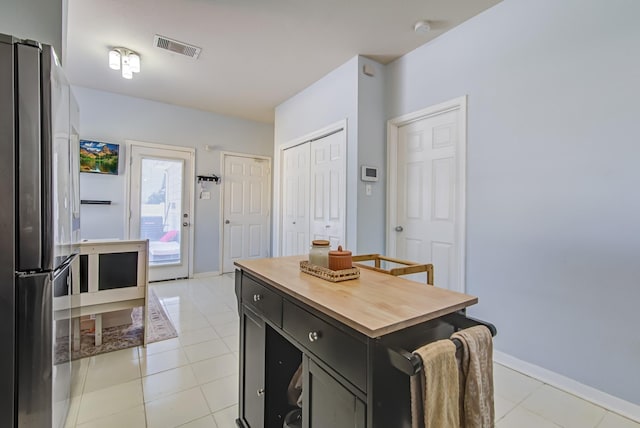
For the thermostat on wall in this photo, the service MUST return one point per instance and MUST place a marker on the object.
(369, 173)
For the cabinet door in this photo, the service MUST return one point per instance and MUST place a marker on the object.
(326, 403)
(253, 346)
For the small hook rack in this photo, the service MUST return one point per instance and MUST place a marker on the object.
(211, 177)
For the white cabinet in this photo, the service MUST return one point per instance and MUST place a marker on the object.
(108, 276)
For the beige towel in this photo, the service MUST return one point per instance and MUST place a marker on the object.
(435, 390)
(476, 378)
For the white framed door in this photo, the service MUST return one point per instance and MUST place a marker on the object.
(161, 207)
(426, 204)
(295, 200)
(245, 208)
(328, 189)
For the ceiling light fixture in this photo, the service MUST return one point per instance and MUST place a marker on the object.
(422, 27)
(126, 60)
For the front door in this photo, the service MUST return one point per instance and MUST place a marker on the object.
(246, 180)
(160, 201)
(429, 188)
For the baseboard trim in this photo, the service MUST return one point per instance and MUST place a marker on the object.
(206, 274)
(609, 402)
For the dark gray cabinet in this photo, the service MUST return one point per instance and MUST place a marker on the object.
(349, 380)
(276, 337)
(253, 369)
(329, 403)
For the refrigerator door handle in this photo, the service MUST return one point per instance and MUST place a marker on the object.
(47, 161)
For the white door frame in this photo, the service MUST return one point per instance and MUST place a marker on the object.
(278, 209)
(223, 154)
(393, 126)
(191, 188)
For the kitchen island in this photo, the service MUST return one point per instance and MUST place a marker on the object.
(346, 336)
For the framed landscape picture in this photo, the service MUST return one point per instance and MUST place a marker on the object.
(98, 157)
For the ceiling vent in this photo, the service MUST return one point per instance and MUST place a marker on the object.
(166, 43)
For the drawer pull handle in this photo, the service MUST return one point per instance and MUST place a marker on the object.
(314, 336)
(260, 392)
(257, 297)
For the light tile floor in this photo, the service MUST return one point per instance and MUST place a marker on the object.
(192, 381)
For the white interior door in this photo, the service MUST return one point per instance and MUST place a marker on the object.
(161, 198)
(429, 189)
(246, 213)
(295, 201)
(328, 189)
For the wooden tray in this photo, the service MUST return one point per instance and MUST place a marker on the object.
(328, 274)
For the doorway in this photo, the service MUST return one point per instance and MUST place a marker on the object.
(161, 206)
(426, 188)
(245, 208)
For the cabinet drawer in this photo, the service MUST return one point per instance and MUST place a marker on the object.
(262, 300)
(339, 350)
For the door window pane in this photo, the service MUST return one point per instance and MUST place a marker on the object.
(161, 208)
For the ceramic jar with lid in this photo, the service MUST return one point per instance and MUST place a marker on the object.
(319, 253)
(340, 259)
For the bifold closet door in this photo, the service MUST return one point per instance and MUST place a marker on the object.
(314, 194)
(328, 188)
(295, 197)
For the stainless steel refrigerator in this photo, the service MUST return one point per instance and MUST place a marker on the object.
(39, 231)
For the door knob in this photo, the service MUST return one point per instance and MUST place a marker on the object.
(227, 222)
(185, 224)
(260, 392)
(399, 228)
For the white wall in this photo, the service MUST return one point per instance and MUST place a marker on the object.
(39, 20)
(115, 118)
(327, 101)
(347, 93)
(552, 194)
(371, 152)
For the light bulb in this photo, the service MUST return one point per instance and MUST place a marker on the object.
(134, 62)
(114, 59)
(126, 68)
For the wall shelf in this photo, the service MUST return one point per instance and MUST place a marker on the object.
(94, 202)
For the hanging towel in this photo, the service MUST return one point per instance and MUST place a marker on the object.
(435, 390)
(476, 377)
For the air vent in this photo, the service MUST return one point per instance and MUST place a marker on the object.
(176, 46)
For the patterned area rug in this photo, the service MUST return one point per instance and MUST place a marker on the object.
(128, 335)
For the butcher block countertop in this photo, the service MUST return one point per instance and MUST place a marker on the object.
(375, 304)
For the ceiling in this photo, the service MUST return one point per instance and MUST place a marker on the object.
(255, 53)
